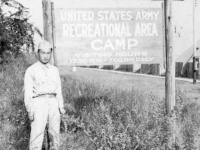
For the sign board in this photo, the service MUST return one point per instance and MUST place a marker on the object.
(108, 36)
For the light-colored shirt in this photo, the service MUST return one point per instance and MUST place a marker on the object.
(41, 79)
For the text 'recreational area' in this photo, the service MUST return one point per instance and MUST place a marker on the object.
(110, 36)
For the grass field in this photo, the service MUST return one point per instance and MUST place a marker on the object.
(113, 111)
(125, 81)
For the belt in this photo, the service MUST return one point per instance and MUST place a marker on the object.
(47, 95)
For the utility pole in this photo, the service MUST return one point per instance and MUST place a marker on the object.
(194, 45)
(170, 62)
(170, 68)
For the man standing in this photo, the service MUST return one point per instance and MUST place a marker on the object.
(43, 98)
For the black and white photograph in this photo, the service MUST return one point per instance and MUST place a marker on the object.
(99, 74)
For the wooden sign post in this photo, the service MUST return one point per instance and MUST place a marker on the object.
(194, 44)
(170, 67)
(170, 62)
(48, 26)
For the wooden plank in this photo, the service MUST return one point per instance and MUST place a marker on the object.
(141, 68)
(156, 69)
(44, 19)
(47, 23)
(190, 70)
(147, 68)
(180, 68)
(164, 49)
(49, 27)
(54, 33)
(177, 69)
(130, 68)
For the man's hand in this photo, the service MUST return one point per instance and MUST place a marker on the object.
(62, 111)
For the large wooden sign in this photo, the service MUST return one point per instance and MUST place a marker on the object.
(105, 36)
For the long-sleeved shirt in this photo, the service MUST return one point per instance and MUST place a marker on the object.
(41, 79)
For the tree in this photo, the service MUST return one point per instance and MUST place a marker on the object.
(16, 33)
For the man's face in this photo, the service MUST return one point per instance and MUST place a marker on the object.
(44, 55)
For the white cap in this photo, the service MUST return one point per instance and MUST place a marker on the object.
(44, 45)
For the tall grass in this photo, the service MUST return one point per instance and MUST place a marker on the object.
(106, 118)
(115, 119)
(13, 116)
(112, 118)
